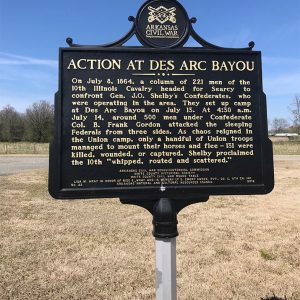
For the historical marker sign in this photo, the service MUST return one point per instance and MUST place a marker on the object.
(149, 123)
(187, 119)
(160, 126)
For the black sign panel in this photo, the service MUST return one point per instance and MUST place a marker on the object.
(141, 123)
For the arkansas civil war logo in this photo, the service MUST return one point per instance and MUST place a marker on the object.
(162, 14)
(162, 23)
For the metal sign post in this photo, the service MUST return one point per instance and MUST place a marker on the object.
(165, 269)
(164, 212)
(165, 233)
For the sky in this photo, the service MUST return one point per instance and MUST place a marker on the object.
(32, 31)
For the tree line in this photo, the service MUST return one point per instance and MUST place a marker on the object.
(282, 125)
(35, 125)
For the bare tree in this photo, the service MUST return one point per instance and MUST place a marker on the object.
(295, 110)
(40, 121)
(280, 125)
(12, 125)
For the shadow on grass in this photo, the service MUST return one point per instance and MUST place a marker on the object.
(274, 297)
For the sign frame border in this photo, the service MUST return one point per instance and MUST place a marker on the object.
(173, 192)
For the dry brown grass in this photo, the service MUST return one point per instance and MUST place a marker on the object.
(286, 148)
(242, 247)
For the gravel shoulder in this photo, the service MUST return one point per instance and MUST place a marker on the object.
(12, 164)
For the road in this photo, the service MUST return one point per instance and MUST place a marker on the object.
(10, 164)
(287, 157)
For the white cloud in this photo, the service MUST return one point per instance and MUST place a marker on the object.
(282, 75)
(284, 84)
(24, 80)
(11, 59)
(22, 100)
(288, 29)
(239, 40)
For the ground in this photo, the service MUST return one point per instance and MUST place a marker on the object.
(241, 247)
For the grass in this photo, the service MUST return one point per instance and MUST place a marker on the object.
(267, 255)
(286, 148)
(101, 249)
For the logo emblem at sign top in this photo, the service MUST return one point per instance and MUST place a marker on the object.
(162, 24)
(162, 14)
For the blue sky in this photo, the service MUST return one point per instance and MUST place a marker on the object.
(31, 32)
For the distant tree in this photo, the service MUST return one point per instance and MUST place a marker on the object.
(280, 125)
(269, 129)
(40, 122)
(12, 125)
(295, 110)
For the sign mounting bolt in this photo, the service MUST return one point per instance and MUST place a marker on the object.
(162, 188)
